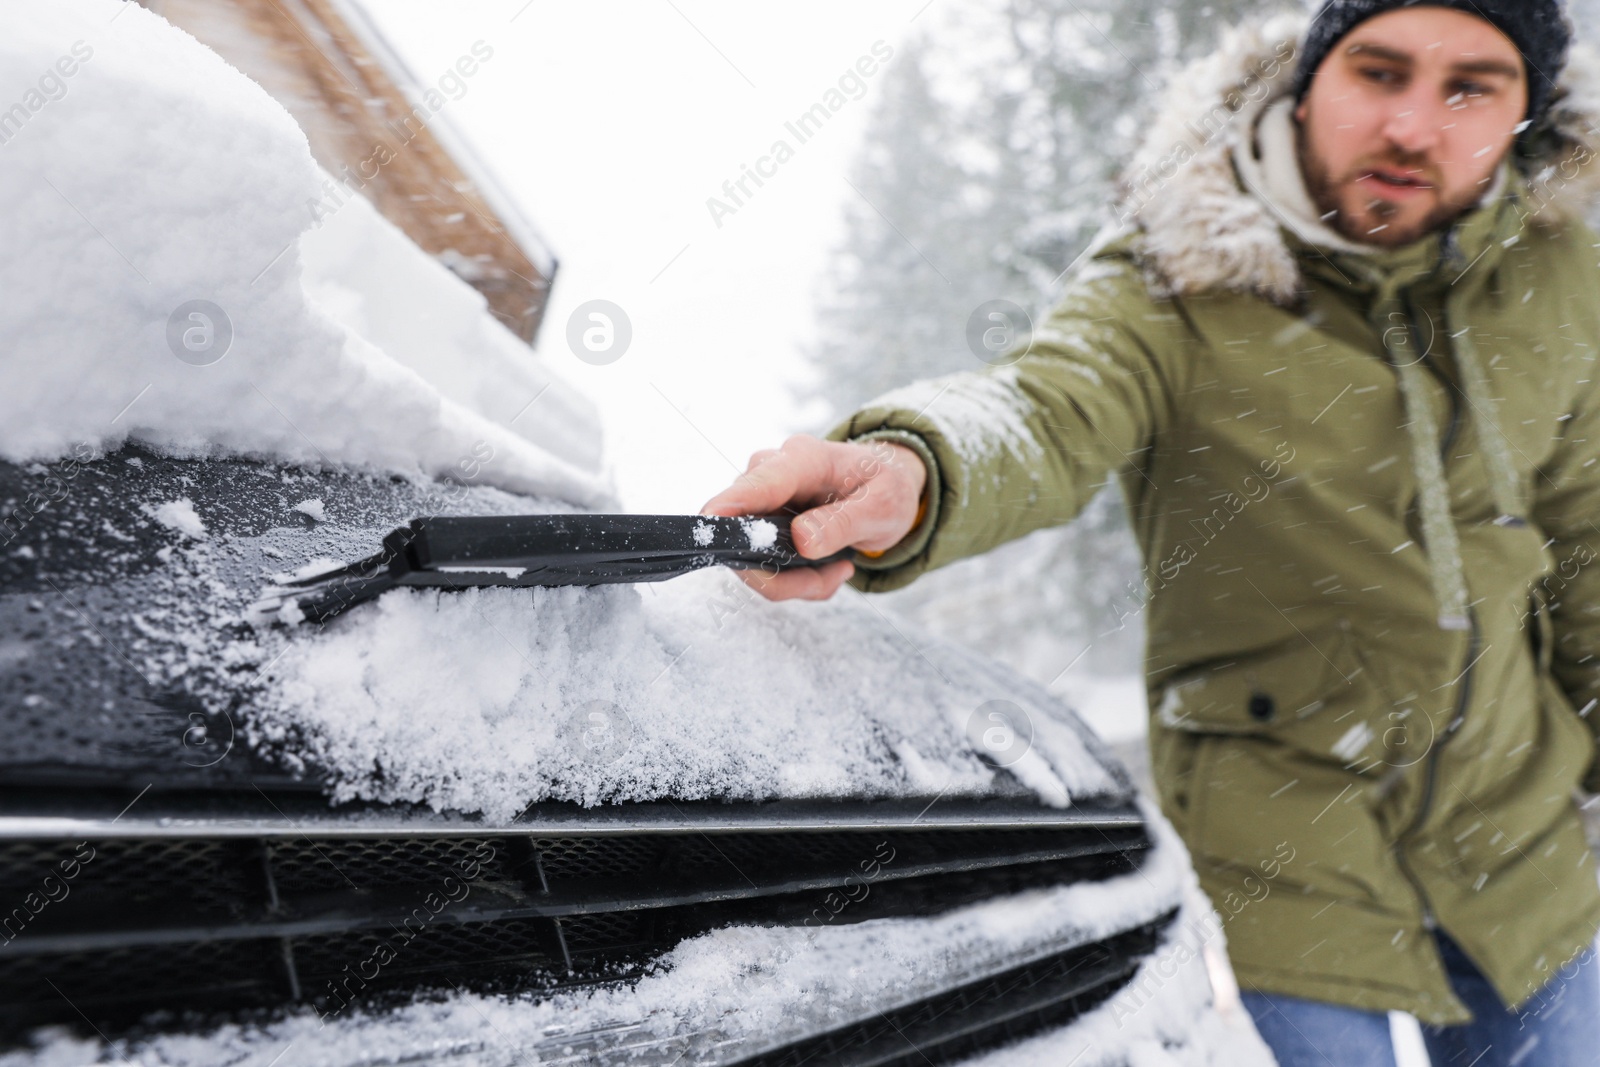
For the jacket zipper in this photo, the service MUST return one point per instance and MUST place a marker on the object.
(1431, 773)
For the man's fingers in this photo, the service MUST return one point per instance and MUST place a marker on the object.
(823, 531)
(848, 495)
(799, 471)
(829, 579)
(802, 583)
(762, 489)
(862, 519)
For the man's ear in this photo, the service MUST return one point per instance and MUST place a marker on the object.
(1301, 111)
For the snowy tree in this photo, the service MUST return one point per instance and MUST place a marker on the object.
(989, 164)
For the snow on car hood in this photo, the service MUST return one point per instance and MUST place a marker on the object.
(164, 281)
(489, 700)
(738, 990)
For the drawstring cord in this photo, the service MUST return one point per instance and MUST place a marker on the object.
(1505, 484)
(1441, 539)
(1441, 542)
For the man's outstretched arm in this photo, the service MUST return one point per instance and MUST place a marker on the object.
(953, 467)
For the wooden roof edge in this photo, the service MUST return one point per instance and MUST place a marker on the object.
(483, 176)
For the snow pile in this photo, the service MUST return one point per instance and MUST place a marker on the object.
(157, 289)
(760, 533)
(488, 700)
(362, 271)
(744, 988)
(313, 509)
(179, 515)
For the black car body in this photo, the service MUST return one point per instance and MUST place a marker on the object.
(162, 870)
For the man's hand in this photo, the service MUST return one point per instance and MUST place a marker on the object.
(860, 495)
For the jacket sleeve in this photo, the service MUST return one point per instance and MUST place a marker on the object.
(1567, 509)
(1020, 447)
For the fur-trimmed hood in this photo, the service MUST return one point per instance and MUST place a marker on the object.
(1201, 231)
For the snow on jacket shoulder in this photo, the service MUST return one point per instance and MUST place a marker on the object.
(1250, 390)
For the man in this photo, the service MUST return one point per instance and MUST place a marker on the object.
(1343, 361)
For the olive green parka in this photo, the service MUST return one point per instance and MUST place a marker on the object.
(1366, 486)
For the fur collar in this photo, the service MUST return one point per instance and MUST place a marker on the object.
(1200, 231)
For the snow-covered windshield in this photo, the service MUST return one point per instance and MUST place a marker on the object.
(168, 281)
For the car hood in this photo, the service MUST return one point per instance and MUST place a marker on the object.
(130, 659)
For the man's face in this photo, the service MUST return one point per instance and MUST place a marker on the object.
(1407, 121)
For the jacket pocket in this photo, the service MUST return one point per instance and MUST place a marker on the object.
(1284, 734)
(1311, 691)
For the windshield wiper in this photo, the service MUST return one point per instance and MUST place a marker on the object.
(538, 550)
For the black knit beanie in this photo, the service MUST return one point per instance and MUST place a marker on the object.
(1537, 27)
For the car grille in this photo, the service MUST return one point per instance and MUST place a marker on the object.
(981, 1015)
(154, 917)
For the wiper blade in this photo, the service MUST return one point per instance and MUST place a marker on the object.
(539, 550)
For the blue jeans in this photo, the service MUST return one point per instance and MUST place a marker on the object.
(1559, 1027)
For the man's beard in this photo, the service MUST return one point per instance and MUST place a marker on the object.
(1376, 227)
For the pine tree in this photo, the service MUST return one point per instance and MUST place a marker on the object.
(898, 288)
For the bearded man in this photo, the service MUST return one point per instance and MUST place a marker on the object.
(1342, 357)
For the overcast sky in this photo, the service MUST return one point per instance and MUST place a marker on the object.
(612, 124)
